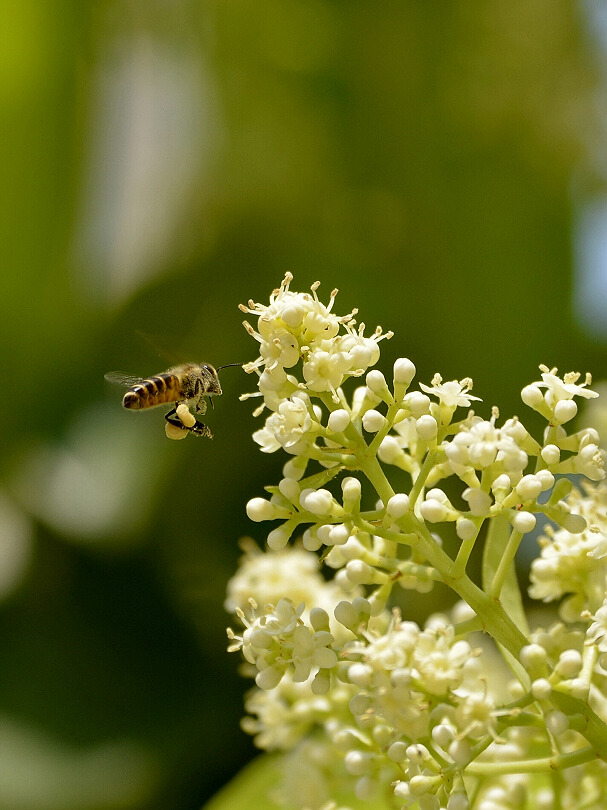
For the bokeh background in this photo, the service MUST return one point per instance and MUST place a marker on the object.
(443, 164)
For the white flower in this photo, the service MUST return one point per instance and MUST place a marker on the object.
(290, 425)
(324, 370)
(559, 390)
(481, 445)
(597, 632)
(452, 394)
(439, 661)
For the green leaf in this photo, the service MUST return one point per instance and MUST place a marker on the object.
(254, 786)
(251, 788)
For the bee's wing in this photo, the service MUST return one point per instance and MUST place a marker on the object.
(119, 378)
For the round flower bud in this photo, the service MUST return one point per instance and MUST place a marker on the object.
(541, 688)
(351, 489)
(317, 501)
(418, 403)
(376, 382)
(532, 396)
(293, 315)
(338, 420)
(397, 751)
(295, 468)
(417, 753)
(501, 484)
(278, 538)
(389, 450)
(460, 752)
(311, 540)
(443, 735)
(465, 529)
(551, 454)
(359, 572)
(398, 505)
(404, 371)
(533, 656)
(258, 509)
(290, 489)
(433, 511)
(421, 784)
(523, 522)
(357, 762)
(323, 533)
(338, 535)
(569, 664)
(557, 722)
(373, 421)
(426, 427)
(529, 487)
(360, 674)
(546, 478)
(564, 410)
(479, 501)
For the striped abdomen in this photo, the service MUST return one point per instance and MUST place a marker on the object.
(157, 390)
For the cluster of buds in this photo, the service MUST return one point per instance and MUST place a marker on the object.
(388, 702)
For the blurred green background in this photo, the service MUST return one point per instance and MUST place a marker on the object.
(442, 163)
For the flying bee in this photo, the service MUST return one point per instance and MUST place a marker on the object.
(185, 385)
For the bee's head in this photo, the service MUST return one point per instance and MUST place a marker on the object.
(211, 380)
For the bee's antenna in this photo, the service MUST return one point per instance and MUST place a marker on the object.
(230, 364)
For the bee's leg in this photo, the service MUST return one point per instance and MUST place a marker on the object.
(198, 429)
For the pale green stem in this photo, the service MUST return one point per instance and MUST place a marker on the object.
(504, 566)
(543, 765)
(463, 555)
(425, 471)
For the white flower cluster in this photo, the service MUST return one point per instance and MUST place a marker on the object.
(575, 565)
(344, 683)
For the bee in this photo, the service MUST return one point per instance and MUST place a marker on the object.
(186, 385)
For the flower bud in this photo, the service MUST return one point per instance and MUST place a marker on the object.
(551, 454)
(465, 529)
(529, 487)
(418, 403)
(376, 382)
(278, 538)
(546, 478)
(373, 421)
(317, 501)
(433, 511)
(523, 522)
(565, 410)
(351, 489)
(569, 664)
(398, 505)
(259, 509)
(533, 397)
(404, 371)
(426, 427)
(338, 420)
